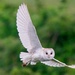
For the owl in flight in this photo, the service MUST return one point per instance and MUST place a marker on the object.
(30, 41)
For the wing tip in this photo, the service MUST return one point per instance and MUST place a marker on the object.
(72, 66)
(23, 4)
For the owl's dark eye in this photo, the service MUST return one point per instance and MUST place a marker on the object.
(46, 53)
(51, 53)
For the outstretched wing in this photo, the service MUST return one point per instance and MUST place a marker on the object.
(27, 32)
(56, 63)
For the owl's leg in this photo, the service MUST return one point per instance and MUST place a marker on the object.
(25, 58)
(33, 63)
(25, 64)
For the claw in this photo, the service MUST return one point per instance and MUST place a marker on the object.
(24, 65)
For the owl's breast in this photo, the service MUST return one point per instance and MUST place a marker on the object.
(36, 57)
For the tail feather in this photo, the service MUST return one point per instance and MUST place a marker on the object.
(25, 57)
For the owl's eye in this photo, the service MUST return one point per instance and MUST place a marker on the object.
(46, 53)
(51, 53)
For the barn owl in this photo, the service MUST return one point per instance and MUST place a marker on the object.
(30, 41)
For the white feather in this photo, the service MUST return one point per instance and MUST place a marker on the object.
(27, 32)
(57, 63)
(71, 66)
(54, 63)
(25, 57)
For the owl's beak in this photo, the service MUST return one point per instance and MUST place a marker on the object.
(48, 56)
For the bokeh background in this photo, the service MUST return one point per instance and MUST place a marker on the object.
(55, 24)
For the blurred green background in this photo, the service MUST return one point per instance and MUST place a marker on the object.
(55, 24)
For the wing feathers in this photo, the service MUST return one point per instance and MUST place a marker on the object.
(53, 63)
(56, 63)
(27, 32)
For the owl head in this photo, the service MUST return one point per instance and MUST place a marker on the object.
(49, 53)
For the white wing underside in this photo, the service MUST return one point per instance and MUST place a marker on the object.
(56, 63)
(27, 32)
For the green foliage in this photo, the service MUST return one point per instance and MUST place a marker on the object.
(55, 24)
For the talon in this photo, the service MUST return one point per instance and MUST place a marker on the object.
(23, 65)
